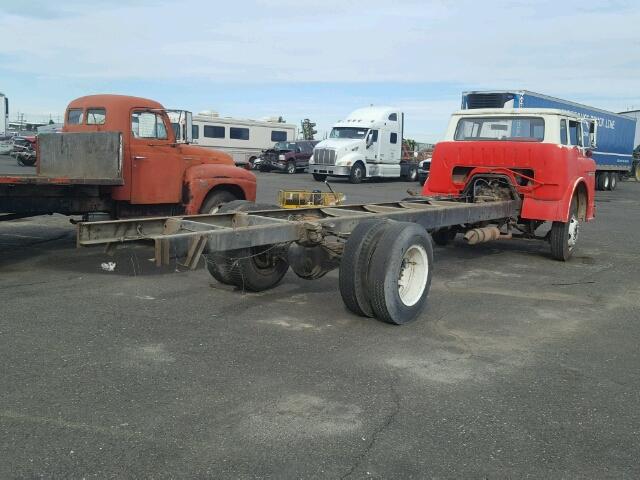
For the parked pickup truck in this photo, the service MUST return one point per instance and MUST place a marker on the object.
(290, 157)
(119, 156)
(500, 174)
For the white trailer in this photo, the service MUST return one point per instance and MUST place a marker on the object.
(243, 139)
(4, 114)
(368, 143)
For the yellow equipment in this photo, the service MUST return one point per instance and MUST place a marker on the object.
(304, 198)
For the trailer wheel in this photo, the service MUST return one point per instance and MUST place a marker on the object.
(613, 181)
(444, 236)
(240, 267)
(354, 265)
(605, 181)
(400, 273)
(564, 235)
(319, 177)
(357, 173)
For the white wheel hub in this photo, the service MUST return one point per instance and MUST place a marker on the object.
(574, 230)
(414, 273)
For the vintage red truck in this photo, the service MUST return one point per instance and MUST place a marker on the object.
(119, 156)
(499, 174)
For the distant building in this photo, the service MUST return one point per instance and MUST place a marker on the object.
(50, 128)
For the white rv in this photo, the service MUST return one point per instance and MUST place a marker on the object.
(4, 114)
(243, 139)
(368, 143)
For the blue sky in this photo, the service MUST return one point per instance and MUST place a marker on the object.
(317, 59)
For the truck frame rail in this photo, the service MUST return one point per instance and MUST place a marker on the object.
(227, 231)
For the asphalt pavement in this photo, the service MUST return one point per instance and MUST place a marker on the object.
(520, 367)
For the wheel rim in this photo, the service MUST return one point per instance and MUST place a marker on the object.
(605, 181)
(357, 173)
(574, 230)
(414, 273)
(292, 168)
(414, 175)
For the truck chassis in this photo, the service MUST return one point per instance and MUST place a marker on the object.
(383, 250)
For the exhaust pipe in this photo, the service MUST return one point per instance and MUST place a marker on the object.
(483, 234)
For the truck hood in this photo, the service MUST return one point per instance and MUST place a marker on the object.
(340, 143)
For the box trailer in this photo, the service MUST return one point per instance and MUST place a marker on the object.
(614, 135)
(4, 114)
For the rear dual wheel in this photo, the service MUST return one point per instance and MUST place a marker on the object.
(386, 271)
(607, 181)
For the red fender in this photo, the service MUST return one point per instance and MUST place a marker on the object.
(199, 180)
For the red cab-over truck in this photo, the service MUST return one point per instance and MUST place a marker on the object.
(119, 155)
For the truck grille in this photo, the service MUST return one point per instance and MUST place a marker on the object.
(324, 156)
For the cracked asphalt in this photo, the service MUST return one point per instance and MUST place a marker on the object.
(520, 367)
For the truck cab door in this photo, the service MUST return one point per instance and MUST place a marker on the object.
(156, 164)
(372, 146)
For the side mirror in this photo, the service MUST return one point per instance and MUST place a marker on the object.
(298, 150)
(588, 153)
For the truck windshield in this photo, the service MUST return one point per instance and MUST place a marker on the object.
(522, 129)
(347, 132)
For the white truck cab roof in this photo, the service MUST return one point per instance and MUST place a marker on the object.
(363, 117)
(524, 112)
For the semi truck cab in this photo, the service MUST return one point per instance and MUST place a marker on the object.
(368, 143)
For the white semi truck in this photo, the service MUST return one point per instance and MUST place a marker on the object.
(368, 143)
(4, 114)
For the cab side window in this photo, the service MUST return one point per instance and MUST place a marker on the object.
(148, 125)
(563, 131)
(575, 137)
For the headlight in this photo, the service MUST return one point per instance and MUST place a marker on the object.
(280, 157)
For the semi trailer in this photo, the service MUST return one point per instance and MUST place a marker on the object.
(4, 115)
(614, 133)
(118, 156)
(368, 143)
(499, 174)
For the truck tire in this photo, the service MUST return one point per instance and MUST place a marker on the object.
(354, 265)
(357, 173)
(319, 177)
(605, 181)
(412, 174)
(222, 263)
(258, 268)
(291, 167)
(400, 273)
(215, 199)
(564, 235)
(636, 171)
(613, 181)
(443, 236)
